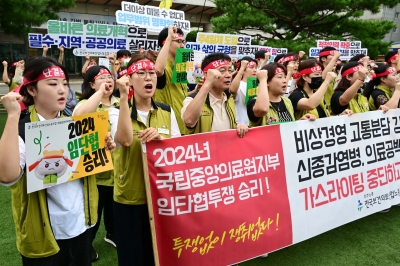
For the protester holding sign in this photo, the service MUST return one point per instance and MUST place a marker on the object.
(167, 92)
(247, 67)
(270, 107)
(392, 59)
(97, 97)
(213, 108)
(384, 89)
(328, 58)
(51, 224)
(140, 120)
(348, 92)
(308, 97)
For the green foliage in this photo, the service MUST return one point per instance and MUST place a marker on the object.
(191, 36)
(18, 16)
(297, 24)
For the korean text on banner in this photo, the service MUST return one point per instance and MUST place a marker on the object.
(199, 192)
(252, 89)
(183, 63)
(151, 17)
(344, 168)
(65, 149)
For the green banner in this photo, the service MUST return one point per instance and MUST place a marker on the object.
(183, 64)
(252, 89)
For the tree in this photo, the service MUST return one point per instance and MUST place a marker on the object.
(18, 16)
(300, 23)
(192, 36)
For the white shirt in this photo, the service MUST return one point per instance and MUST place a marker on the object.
(241, 109)
(65, 202)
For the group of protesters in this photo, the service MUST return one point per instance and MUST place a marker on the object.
(57, 225)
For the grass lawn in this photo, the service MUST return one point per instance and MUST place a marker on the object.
(371, 241)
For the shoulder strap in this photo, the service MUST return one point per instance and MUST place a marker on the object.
(21, 125)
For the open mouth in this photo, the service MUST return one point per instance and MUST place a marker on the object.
(149, 88)
(228, 83)
(61, 100)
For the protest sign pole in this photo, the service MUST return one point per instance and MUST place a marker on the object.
(150, 204)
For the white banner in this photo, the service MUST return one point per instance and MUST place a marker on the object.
(341, 169)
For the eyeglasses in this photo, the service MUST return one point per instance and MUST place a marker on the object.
(143, 74)
(104, 77)
(180, 41)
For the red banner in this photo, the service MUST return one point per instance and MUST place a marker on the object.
(218, 199)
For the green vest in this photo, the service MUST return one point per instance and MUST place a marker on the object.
(359, 104)
(300, 113)
(328, 95)
(106, 178)
(173, 95)
(204, 124)
(12, 84)
(35, 238)
(272, 113)
(387, 92)
(129, 185)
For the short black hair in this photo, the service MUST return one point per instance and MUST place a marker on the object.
(260, 54)
(389, 55)
(357, 57)
(212, 57)
(122, 53)
(278, 57)
(164, 34)
(328, 48)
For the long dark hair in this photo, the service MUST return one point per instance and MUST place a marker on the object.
(89, 78)
(344, 83)
(376, 81)
(33, 69)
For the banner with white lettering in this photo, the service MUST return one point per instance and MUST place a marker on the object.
(217, 199)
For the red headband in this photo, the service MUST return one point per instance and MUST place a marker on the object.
(287, 59)
(279, 70)
(51, 72)
(216, 64)
(388, 71)
(352, 70)
(251, 63)
(123, 72)
(176, 35)
(326, 53)
(392, 58)
(102, 72)
(33, 166)
(307, 71)
(140, 65)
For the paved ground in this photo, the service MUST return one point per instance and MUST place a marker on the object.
(74, 83)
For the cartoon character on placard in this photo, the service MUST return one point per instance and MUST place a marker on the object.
(197, 73)
(51, 166)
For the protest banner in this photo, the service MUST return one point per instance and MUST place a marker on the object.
(65, 149)
(91, 38)
(223, 39)
(252, 89)
(187, 66)
(233, 51)
(217, 199)
(348, 49)
(151, 17)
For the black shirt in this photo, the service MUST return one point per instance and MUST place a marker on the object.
(337, 109)
(297, 95)
(379, 98)
(280, 108)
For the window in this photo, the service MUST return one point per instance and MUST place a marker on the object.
(396, 15)
(394, 29)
